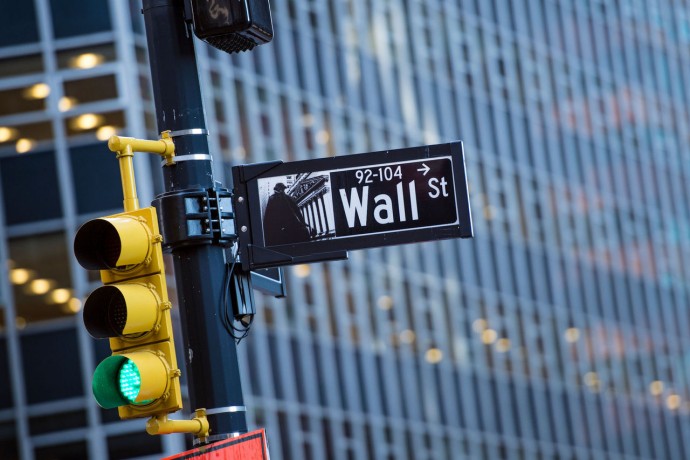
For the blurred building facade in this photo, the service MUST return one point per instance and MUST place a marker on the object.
(556, 333)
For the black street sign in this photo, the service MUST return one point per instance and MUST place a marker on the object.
(316, 210)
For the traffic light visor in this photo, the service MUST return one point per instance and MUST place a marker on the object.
(136, 378)
(112, 242)
(121, 310)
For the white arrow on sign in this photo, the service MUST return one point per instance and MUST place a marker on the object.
(426, 169)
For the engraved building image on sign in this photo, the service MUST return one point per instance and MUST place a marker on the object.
(296, 208)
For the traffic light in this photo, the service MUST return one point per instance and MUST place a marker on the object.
(232, 25)
(132, 309)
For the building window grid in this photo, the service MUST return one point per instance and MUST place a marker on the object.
(38, 440)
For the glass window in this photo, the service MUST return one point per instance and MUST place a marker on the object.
(133, 445)
(137, 17)
(87, 57)
(25, 198)
(89, 90)
(96, 178)
(5, 384)
(27, 99)
(77, 17)
(103, 125)
(19, 24)
(142, 55)
(39, 273)
(21, 65)
(8, 440)
(46, 355)
(73, 450)
(57, 422)
(24, 138)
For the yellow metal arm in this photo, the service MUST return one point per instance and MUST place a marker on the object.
(163, 146)
(198, 426)
(125, 148)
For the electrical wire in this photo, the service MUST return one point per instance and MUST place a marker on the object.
(227, 314)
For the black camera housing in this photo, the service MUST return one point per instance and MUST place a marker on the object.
(232, 25)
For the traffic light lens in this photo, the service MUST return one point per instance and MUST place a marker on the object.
(111, 246)
(125, 310)
(112, 243)
(117, 312)
(130, 382)
(97, 245)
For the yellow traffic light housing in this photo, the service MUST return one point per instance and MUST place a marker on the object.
(132, 309)
(121, 246)
(137, 378)
(106, 314)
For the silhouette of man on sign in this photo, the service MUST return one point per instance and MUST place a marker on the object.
(283, 221)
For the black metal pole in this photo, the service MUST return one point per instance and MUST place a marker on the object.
(210, 352)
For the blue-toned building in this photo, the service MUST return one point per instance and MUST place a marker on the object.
(558, 332)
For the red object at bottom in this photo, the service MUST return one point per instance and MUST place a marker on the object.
(249, 446)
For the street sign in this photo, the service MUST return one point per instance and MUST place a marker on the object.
(316, 210)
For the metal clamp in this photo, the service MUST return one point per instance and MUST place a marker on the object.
(216, 438)
(125, 148)
(198, 426)
(189, 132)
(222, 410)
(191, 157)
(199, 217)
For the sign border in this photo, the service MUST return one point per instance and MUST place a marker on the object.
(247, 205)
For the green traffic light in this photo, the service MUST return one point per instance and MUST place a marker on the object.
(106, 387)
(130, 381)
(117, 382)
